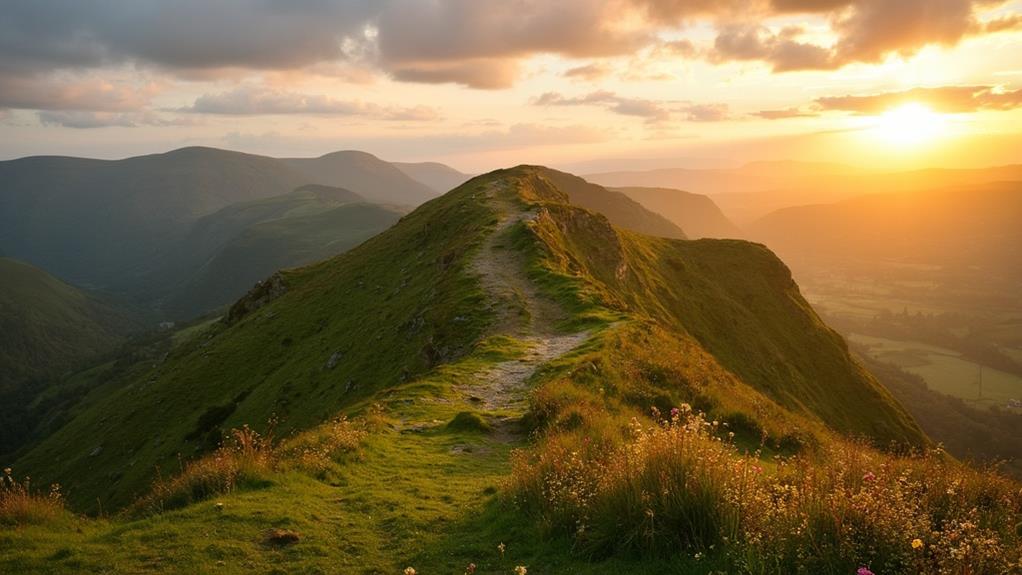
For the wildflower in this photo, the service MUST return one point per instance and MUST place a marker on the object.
(917, 543)
(470, 569)
(868, 476)
(501, 548)
(864, 571)
(521, 570)
(675, 413)
(410, 571)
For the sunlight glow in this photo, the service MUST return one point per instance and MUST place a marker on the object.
(909, 125)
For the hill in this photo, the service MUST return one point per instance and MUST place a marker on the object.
(365, 174)
(413, 303)
(694, 213)
(47, 328)
(439, 177)
(149, 228)
(617, 207)
(101, 223)
(960, 227)
(752, 191)
(264, 247)
(504, 379)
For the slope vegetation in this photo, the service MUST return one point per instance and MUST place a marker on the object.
(694, 213)
(364, 174)
(494, 312)
(47, 328)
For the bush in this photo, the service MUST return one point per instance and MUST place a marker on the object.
(681, 485)
(19, 506)
(247, 458)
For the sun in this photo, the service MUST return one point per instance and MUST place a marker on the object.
(909, 125)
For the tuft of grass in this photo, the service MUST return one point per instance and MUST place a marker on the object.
(469, 421)
(19, 505)
(247, 458)
(681, 485)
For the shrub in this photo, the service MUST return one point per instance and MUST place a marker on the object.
(314, 450)
(20, 506)
(469, 421)
(246, 458)
(681, 485)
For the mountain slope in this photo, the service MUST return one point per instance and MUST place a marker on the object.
(439, 177)
(267, 246)
(972, 227)
(617, 207)
(752, 191)
(365, 174)
(694, 213)
(101, 223)
(435, 304)
(47, 327)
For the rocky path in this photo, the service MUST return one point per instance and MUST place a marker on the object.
(523, 313)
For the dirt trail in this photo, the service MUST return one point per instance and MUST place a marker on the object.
(522, 311)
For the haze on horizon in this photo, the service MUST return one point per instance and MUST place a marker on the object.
(483, 84)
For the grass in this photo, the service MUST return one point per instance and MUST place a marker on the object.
(682, 485)
(390, 310)
(408, 326)
(946, 371)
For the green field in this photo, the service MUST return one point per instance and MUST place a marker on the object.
(945, 370)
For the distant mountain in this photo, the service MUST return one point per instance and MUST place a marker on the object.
(961, 228)
(617, 207)
(47, 328)
(750, 192)
(153, 229)
(441, 178)
(263, 247)
(365, 174)
(694, 213)
(103, 223)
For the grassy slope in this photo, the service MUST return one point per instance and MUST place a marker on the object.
(387, 309)
(740, 303)
(47, 328)
(364, 174)
(99, 223)
(694, 213)
(410, 498)
(305, 233)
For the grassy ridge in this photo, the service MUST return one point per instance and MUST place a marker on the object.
(403, 323)
(735, 298)
(380, 314)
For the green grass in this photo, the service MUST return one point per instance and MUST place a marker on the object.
(400, 322)
(392, 309)
(946, 371)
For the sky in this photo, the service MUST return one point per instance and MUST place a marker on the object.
(481, 84)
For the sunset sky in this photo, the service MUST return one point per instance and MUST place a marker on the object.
(484, 83)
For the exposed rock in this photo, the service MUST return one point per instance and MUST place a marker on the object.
(263, 293)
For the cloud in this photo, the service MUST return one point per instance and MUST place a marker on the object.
(866, 31)
(73, 93)
(652, 111)
(475, 43)
(589, 72)
(782, 50)
(784, 114)
(256, 100)
(946, 99)
(84, 119)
